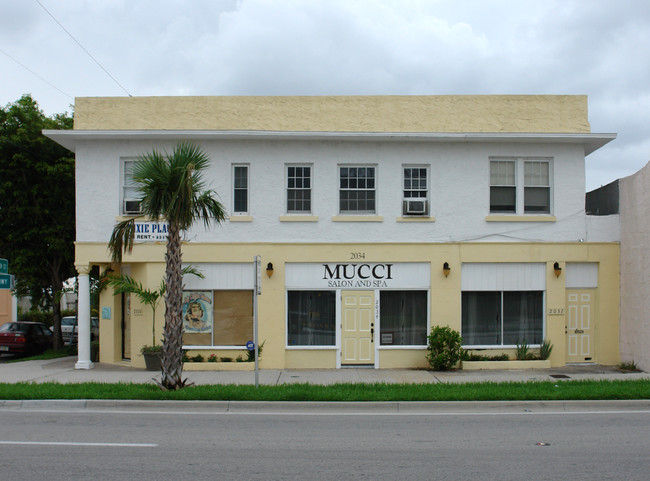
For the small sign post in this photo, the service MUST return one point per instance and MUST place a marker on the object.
(258, 291)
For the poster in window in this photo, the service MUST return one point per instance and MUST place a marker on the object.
(197, 312)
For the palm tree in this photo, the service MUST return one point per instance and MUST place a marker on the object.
(171, 188)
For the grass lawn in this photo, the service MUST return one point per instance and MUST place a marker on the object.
(49, 354)
(487, 391)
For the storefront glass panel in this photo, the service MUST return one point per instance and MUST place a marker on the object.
(311, 318)
(403, 318)
(502, 318)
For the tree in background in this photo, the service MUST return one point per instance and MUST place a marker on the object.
(37, 204)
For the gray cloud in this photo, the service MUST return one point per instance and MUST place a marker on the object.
(296, 47)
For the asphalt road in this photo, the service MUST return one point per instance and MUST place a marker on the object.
(352, 444)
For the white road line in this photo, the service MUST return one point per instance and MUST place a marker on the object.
(108, 445)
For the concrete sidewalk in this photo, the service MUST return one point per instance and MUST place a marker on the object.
(62, 371)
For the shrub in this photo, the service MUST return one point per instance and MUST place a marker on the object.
(212, 358)
(499, 357)
(628, 366)
(197, 358)
(545, 349)
(226, 359)
(482, 357)
(444, 348)
(523, 351)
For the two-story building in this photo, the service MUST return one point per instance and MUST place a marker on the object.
(375, 218)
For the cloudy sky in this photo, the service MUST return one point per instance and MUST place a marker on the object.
(60, 49)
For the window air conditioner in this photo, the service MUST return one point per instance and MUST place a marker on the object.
(131, 206)
(415, 207)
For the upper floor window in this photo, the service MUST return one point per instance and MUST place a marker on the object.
(130, 196)
(537, 187)
(298, 189)
(357, 191)
(416, 191)
(240, 189)
(508, 194)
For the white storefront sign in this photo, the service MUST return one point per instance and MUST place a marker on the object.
(151, 231)
(358, 275)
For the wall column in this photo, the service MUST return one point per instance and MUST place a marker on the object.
(83, 319)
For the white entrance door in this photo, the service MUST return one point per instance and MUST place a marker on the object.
(580, 327)
(358, 327)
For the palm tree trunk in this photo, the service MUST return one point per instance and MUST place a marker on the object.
(172, 352)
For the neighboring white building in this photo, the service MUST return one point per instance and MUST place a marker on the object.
(357, 204)
(635, 268)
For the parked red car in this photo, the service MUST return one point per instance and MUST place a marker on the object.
(25, 338)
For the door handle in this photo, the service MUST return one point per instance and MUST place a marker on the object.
(372, 334)
(579, 331)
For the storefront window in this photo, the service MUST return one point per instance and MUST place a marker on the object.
(403, 318)
(311, 318)
(502, 318)
(217, 318)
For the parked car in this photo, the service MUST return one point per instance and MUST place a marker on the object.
(25, 337)
(69, 325)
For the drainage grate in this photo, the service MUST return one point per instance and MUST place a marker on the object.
(560, 376)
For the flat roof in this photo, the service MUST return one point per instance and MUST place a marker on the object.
(70, 138)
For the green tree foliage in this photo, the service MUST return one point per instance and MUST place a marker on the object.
(37, 202)
(171, 188)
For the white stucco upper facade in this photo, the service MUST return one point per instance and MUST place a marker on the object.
(458, 169)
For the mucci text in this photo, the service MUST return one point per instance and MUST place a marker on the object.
(357, 275)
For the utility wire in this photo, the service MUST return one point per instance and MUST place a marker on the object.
(37, 75)
(83, 48)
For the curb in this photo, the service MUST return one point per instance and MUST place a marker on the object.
(318, 407)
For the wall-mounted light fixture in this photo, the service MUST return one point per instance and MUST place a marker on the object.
(269, 270)
(557, 269)
(446, 269)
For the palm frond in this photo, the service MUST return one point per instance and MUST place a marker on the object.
(193, 270)
(208, 208)
(121, 239)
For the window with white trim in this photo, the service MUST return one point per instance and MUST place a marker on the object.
(311, 318)
(537, 187)
(416, 190)
(357, 190)
(520, 186)
(298, 189)
(502, 318)
(403, 318)
(217, 317)
(240, 189)
(130, 194)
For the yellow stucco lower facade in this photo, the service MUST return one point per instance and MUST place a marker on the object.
(444, 294)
